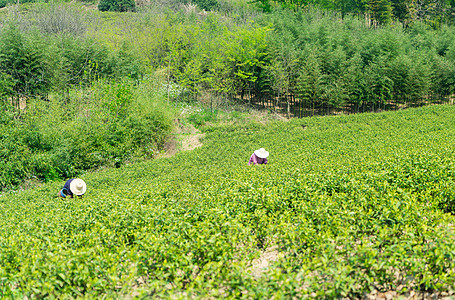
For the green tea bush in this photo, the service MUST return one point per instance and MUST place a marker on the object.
(349, 206)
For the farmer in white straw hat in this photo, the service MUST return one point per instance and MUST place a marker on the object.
(74, 186)
(258, 157)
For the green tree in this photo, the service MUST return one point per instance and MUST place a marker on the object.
(410, 77)
(310, 82)
(117, 5)
(400, 9)
(23, 63)
(82, 60)
(354, 81)
(178, 45)
(284, 68)
(381, 11)
(350, 6)
(6, 92)
(6, 87)
(379, 85)
(246, 51)
(433, 12)
(443, 77)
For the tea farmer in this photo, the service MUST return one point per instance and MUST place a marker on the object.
(74, 186)
(258, 157)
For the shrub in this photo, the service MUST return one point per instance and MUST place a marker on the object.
(117, 5)
(202, 117)
(59, 18)
(22, 62)
(105, 125)
(207, 4)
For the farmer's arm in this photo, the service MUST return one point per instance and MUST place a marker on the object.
(252, 160)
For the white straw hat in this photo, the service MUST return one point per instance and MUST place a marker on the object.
(261, 153)
(78, 187)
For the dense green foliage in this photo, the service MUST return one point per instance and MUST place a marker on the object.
(352, 204)
(307, 61)
(303, 62)
(108, 125)
(378, 11)
(319, 60)
(117, 5)
(69, 102)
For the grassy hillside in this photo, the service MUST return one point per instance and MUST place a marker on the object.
(82, 89)
(348, 206)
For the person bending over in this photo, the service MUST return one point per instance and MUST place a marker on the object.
(258, 157)
(73, 186)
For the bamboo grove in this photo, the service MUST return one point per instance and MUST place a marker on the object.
(304, 62)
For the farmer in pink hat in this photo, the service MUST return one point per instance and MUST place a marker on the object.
(259, 157)
(74, 186)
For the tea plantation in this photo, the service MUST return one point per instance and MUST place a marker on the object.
(350, 205)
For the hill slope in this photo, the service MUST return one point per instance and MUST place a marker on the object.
(348, 206)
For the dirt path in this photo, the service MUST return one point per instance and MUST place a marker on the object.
(185, 138)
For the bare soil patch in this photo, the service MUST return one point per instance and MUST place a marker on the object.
(185, 138)
(192, 142)
(261, 264)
